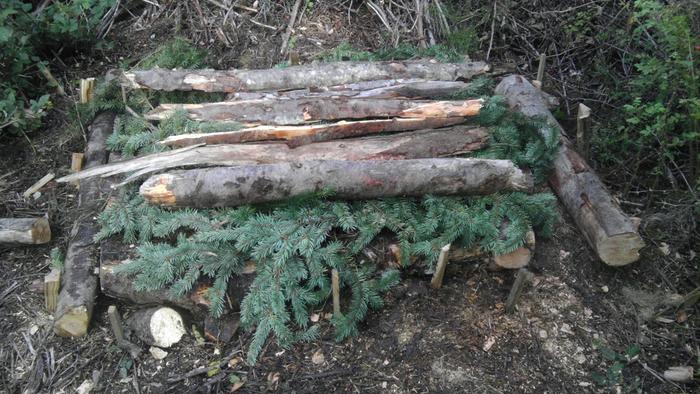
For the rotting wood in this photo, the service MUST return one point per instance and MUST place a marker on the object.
(52, 285)
(439, 274)
(233, 186)
(411, 145)
(611, 233)
(24, 231)
(302, 135)
(38, 185)
(299, 77)
(296, 112)
(521, 279)
(388, 88)
(79, 281)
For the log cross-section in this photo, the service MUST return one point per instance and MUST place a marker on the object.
(611, 233)
(299, 77)
(233, 186)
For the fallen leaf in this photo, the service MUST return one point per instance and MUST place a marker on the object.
(318, 357)
(490, 341)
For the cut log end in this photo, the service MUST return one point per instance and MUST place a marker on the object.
(73, 323)
(156, 190)
(160, 326)
(29, 231)
(620, 249)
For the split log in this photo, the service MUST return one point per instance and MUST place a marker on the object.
(79, 281)
(387, 88)
(233, 186)
(27, 231)
(301, 135)
(159, 326)
(611, 233)
(294, 112)
(412, 145)
(299, 77)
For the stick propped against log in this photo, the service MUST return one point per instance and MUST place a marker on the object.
(611, 233)
(299, 77)
(412, 145)
(294, 112)
(233, 186)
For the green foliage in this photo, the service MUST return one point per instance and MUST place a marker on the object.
(176, 53)
(27, 39)
(463, 41)
(618, 362)
(56, 259)
(661, 111)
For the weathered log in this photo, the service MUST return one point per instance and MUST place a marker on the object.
(79, 281)
(299, 77)
(387, 88)
(158, 326)
(232, 186)
(27, 231)
(294, 112)
(611, 233)
(411, 145)
(301, 135)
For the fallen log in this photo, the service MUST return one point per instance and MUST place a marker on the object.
(301, 135)
(412, 145)
(611, 233)
(158, 326)
(388, 88)
(295, 112)
(79, 281)
(26, 231)
(298, 77)
(232, 186)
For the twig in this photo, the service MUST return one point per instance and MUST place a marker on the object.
(201, 370)
(290, 27)
(493, 29)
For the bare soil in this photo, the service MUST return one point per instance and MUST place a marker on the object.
(456, 339)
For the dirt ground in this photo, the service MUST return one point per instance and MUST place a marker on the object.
(456, 339)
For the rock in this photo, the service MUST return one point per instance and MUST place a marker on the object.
(679, 374)
(85, 387)
(157, 353)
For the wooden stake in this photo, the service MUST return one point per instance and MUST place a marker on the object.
(53, 82)
(52, 284)
(583, 130)
(290, 28)
(38, 185)
(86, 89)
(76, 164)
(436, 282)
(335, 284)
(521, 280)
(540, 71)
(115, 322)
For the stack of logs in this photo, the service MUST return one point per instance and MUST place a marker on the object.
(362, 129)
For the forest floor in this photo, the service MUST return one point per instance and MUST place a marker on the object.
(576, 319)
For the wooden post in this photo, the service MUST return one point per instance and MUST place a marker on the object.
(86, 89)
(115, 322)
(540, 71)
(521, 280)
(52, 284)
(436, 282)
(583, 130)
(76, 164)
(53, 82)
(335, 284)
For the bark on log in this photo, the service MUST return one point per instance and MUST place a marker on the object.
(411, 145)
(159, 326)
(387, 88)
(299, 77)
(302, 135)
(233, 186)
(611, 233)
(29, 231)
(79, 282)
(295, 112)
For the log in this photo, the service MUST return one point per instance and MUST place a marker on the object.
(302, 135)
(412, 145)
(298, 77)
(233, 186)
(386, 88)
(159, 326)
(79, 281)
(611, 233)
(296, 112)
(25, 231)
